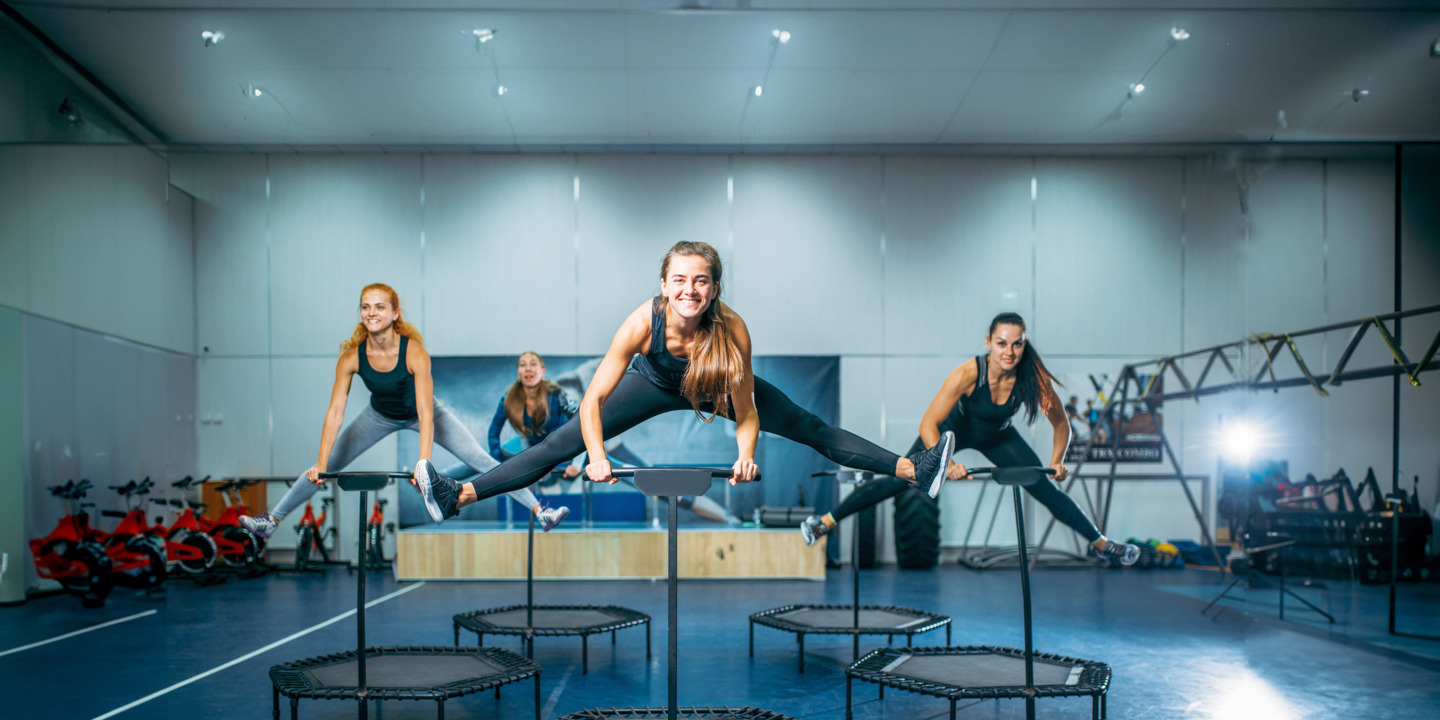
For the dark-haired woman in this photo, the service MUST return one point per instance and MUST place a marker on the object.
(977, 403)
(692, 352)
(389, 356)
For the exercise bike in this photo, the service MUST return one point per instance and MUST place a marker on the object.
(136, 550)
(188, 530)
(376, 527)
(239, 548)
(70, 555)
(311, 535)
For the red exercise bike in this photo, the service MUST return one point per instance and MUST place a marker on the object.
(312, 534)
(69, 554)
(187, 547)
(238, 547)
(374, 552)
(136, 550)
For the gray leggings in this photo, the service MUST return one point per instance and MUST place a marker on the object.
(372, 427)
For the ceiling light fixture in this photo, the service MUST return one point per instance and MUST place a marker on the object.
(251, 91)
(500, 90)
(781, 35)
(759, 91)
(1435, 49)
(1179, 33)
(212, 37)
(68, 111)
(484, 35)
(1357, 94)
(1135, 89)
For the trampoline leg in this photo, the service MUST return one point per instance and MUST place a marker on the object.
(584, 654)
(952, 710)
(947, 634)
(909, 640)
(752, 638)
(479, 639)
(855, 648)
(537, 696)
(457, 636)
(647, 639)
(440, 711)
(276, 691)
(497, 692)
(1094, 707)
(889, 639)
(612, 637)
(849, 702)
(801, 638)
(882, 692)
(294, 708)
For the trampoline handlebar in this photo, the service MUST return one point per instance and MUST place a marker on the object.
(714, 472)
(991, 470)
(337, 475)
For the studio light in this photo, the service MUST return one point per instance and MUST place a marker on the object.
(1239, 441)
(782, 35)
(1179, 33)
(212, 37)
(484, 35)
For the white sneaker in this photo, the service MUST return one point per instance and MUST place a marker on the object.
(260, 526)
(550, 517)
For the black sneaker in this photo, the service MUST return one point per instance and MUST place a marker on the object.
(1117, 553)
(812, 529)
(931, 463)
(441, 493)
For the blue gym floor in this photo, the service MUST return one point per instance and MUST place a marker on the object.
(1168, 660)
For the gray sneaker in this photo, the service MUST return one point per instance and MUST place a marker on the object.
(260, 526)
(441, 493)
(812, 528)
(550, 517)
(1125, 554)
(931, 463)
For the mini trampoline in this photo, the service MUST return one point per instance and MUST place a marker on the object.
(553, 621)
(855, 619)
(531, 620)
(394, 673)
(980, 672)
(888, 620)
(673, 483)
(402, 673)
(984, 671)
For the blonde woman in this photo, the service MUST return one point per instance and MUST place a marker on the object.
(690, 351)
(389, 356)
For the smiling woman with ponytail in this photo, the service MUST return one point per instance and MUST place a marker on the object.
(977, 403)
(690, 351)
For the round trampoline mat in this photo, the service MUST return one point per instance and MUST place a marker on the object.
(845, 618)
(982, 670)
(552, 618)
(713, 713)
(405, 671)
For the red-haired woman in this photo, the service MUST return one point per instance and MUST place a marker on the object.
(389, 356)
(977, 403)
(691, 351)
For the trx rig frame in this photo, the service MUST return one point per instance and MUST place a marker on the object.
(1233, 357)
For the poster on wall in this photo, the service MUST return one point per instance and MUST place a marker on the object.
(1128, 433)
(472, 388)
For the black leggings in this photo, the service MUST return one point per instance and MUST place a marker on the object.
(636, 399)
(1005, 449)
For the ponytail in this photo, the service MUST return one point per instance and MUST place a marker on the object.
(716, 365)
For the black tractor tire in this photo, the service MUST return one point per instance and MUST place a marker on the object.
(917, 530)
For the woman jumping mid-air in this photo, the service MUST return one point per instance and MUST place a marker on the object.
(389, 356)
(977, 403)
(693, 353)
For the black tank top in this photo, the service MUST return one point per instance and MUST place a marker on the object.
(979, 409)
(657, 364)
(392, 394)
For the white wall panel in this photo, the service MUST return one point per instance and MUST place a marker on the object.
(177, 274)
(72, 252)
(1284, 258)
(234, 396)
(910, 383)
(1215, 232)
(232, 270)
(632, 209)
(139, 228)
(862, 397)
(1360, 255)
(339, 223)
(499, 254)
(958, 250)
(15, 230)
(1108, 256)
(806, 274)
(179, 420)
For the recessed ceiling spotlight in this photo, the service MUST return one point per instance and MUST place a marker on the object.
(484, 35)
(1179, 33)
(1435, 48)
(1136, 89)
(251, 91)
(212, 37)
(500, 90)
(759, 91)
(1357, 94)
(781, 35)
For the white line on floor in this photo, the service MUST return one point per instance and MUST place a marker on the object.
(555, 694)
(77, 632)
(253, 653)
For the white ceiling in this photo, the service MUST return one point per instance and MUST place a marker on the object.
(676, 74)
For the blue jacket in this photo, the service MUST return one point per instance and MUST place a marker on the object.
(561, 409)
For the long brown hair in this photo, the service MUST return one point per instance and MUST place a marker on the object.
(515, 402)
(401, 326)
(1032, 378)
(716, 365)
